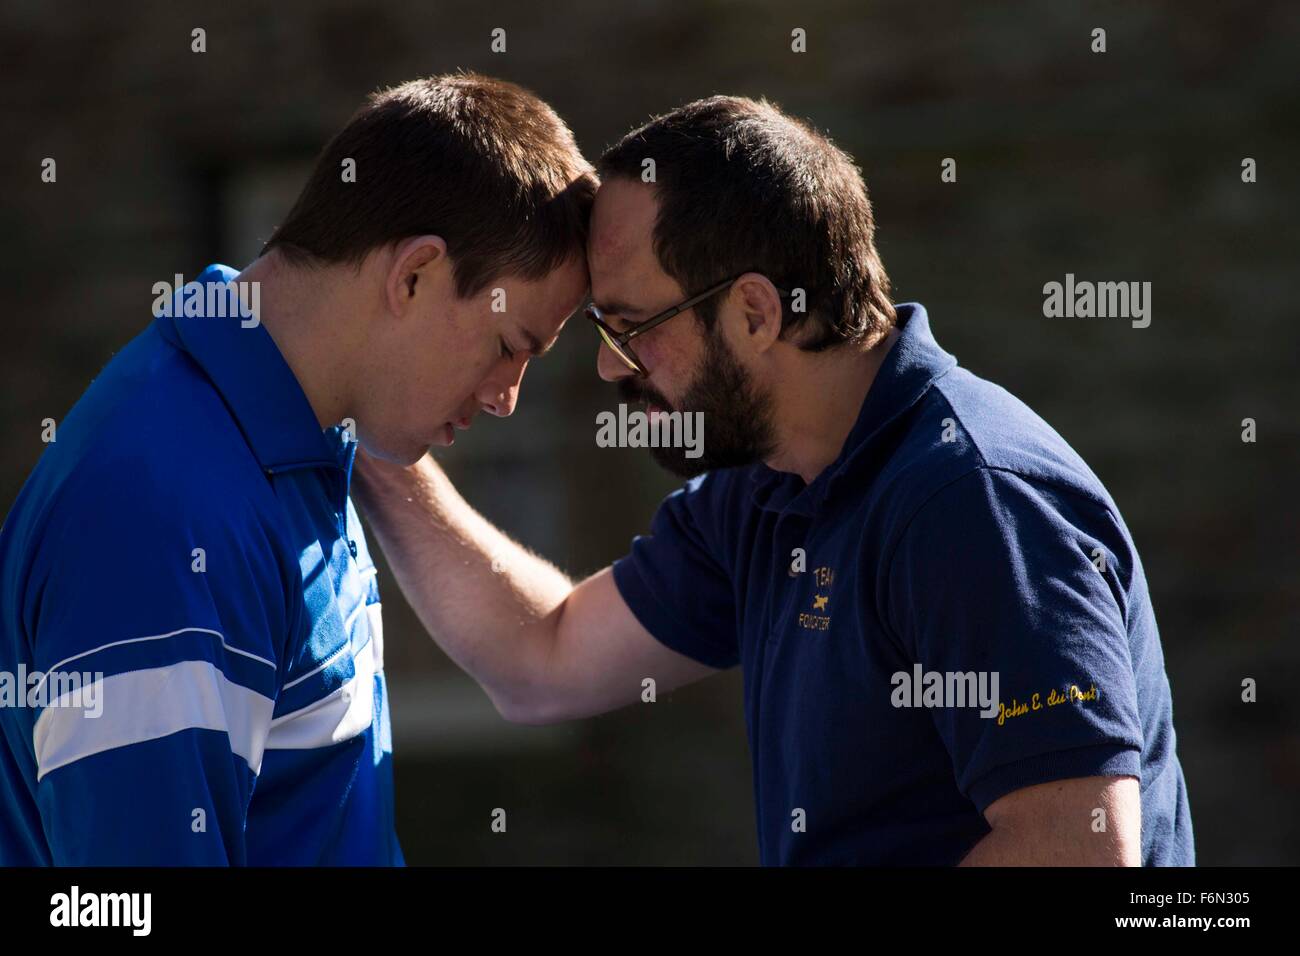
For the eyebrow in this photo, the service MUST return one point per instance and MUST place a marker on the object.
(534, 344)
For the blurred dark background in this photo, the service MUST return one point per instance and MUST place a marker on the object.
(1117, 166)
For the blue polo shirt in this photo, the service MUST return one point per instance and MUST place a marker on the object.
(187, 597)
(957, 559)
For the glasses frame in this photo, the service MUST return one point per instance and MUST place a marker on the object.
(618, 341)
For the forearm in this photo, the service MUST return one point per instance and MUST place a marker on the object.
(491, 605)
(1008, 847)
(1084, 821)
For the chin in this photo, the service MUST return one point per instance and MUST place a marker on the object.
(404, 456)
(412, 457)
(675, 462)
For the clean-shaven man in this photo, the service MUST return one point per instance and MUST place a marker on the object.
(184, 564)
(949, 651)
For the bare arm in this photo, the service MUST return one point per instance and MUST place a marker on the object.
(542, 648)
(1057, 824)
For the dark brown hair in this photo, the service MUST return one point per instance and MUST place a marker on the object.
(744, 187)
(482, 163)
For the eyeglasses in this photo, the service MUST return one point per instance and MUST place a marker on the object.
(618, 341)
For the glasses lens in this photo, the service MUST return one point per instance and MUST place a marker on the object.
(621, 351)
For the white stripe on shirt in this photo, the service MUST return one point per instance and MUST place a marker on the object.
(342, 715)
(147, 704)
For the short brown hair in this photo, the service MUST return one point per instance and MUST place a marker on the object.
(483, 163)
(742, 186)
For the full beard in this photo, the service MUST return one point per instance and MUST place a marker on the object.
(737, 414)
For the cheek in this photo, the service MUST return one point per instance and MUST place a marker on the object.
(660, 355)
(671, 363)
(417, 384)
(435, 375)
(462, 375)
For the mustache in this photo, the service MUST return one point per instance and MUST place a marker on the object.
(633, 392)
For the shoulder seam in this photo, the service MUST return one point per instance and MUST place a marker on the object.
(985, 467)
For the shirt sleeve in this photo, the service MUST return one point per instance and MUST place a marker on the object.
(996, 577)
(154, 622)
(675, 581)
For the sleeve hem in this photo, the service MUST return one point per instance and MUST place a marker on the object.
(655, 618)
(1097, 760)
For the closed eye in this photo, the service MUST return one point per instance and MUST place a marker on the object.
(616, 315)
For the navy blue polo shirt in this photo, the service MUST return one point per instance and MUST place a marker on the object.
(188, 597)
(951, 611)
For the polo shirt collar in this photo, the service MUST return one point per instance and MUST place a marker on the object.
(912, 365)
(259, 388)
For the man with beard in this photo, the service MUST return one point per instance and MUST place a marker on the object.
(871, 532)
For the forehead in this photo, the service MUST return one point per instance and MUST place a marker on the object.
(548, 301)
(620, 250)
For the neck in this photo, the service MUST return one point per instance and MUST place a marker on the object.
(305, 314)
(812, 423)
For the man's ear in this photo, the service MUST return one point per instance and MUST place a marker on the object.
(413, 261)
(760, 311)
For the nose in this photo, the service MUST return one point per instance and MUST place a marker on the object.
(500, 400)
(499, 394)
(609, 366)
